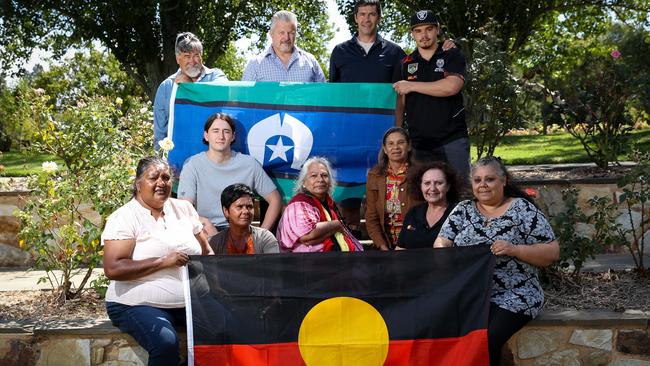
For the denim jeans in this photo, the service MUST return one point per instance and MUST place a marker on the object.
(153, 328)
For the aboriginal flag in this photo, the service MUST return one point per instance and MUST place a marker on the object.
(281, 125)
(414, 307)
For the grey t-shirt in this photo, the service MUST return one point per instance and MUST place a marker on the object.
(263, 241)
(202, 181)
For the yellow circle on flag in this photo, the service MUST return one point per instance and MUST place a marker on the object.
(343, 331)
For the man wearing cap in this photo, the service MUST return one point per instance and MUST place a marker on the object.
(366, 58)
(283, 60)
(188, 51)
(430, 101)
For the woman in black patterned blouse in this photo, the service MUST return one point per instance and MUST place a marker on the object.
(505, 218)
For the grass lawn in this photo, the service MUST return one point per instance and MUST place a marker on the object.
(20, 164)
(555, 148)
(533, 149)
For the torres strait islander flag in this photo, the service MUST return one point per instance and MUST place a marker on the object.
(283, 124)
(413, 307)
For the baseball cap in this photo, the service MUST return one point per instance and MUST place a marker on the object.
(423, 17)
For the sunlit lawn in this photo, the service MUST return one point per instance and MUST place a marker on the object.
(555, 148)
(532, 149)
(21, 164)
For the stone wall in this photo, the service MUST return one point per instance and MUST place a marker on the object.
(582, 338)
(550, 197)
(95, 343)
(10, 253)
(561, 338)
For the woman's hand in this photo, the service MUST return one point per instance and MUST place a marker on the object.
(442, 242)
(321, 231)
(175, 259)
(539, 254)
(119, 265)
(502, 247)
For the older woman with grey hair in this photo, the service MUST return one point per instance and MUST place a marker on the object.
(311, 222)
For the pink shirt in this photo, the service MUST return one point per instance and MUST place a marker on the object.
(298, 219)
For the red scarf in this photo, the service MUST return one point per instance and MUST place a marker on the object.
(328, 243)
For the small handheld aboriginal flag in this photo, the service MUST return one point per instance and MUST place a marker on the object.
(414, 307)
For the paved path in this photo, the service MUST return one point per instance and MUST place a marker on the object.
(21, 279)
(616, 262)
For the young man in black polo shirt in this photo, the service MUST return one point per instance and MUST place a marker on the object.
(430, 101)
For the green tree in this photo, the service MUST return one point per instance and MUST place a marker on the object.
(85, 74)
(141, 35)
(496, 99)
(599, 89)
(517, 20)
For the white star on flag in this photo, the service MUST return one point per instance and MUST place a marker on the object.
(279, 150)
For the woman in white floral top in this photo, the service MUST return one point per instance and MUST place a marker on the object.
(505, 218)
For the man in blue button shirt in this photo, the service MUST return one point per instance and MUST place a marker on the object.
(283, 60)
(191, 69)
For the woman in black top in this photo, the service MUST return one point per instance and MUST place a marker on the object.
(437, 184)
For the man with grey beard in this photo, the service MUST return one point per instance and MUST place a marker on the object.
(188, 51)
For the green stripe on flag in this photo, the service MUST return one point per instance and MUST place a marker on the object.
(285, 187)
(342, 95)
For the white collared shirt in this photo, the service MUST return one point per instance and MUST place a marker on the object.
(175, 230)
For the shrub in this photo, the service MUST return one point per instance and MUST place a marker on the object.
(592, 104)
(636, 194)
(99, 143)
(496, 100)
(575, 248)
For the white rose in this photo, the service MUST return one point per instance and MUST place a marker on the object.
(166, 144)
(144, 110)
(50, 167)
(118, 101)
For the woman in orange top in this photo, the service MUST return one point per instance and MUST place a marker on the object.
(240, 237)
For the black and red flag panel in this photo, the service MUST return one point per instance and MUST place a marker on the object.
(413, 307)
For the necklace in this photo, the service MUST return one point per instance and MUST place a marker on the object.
(484, 212)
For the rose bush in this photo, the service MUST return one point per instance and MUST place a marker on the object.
(99, 141)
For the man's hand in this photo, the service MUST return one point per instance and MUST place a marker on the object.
(208, 229)
(448, 44)
(403, 87)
